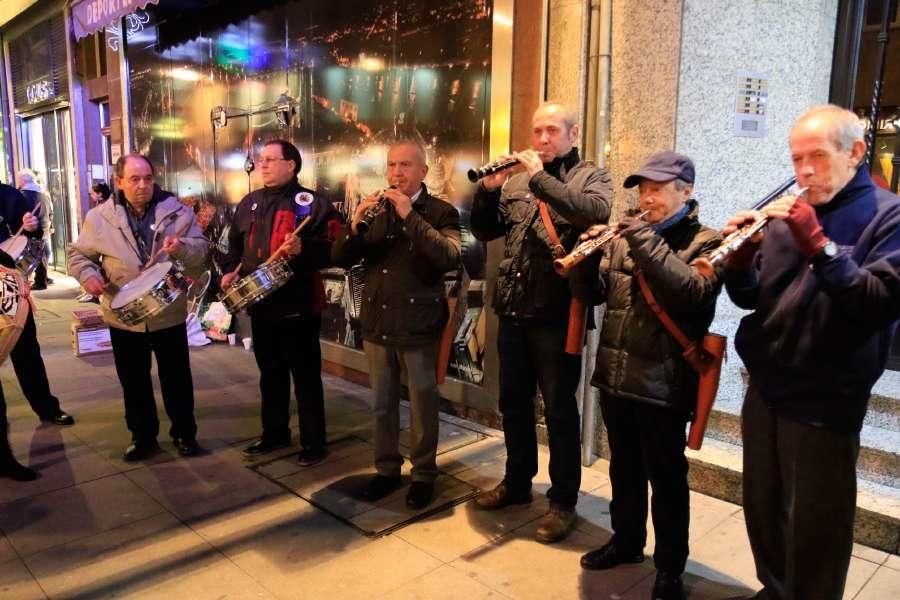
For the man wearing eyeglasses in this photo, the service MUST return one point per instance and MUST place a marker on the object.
(117, 240)
(286, 323)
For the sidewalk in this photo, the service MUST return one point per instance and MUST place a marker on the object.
(215, 527)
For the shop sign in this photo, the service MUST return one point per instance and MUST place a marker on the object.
(89, 16)
(40, 91)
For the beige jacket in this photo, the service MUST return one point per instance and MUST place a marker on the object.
(106, 248)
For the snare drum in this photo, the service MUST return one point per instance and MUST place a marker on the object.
(256, 286)
(148, 294)
(26, 252)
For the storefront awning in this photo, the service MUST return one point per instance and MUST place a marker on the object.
(90, 16)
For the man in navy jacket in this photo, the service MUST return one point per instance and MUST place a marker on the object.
(824, 287)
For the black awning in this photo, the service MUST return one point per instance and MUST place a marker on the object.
(179, 21)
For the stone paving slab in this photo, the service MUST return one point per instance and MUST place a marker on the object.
(214, 527)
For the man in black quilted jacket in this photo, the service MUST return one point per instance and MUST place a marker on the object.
(648, 391)
(532, 302)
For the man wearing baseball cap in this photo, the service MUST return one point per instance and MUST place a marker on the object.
(647, 390)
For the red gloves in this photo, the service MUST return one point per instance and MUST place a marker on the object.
(805, 227)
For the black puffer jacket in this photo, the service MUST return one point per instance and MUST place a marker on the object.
(578, 195)
(405, 261)
(637, 357)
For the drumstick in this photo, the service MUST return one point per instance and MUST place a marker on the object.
(159, 251)
(33, 212)
(296, 232)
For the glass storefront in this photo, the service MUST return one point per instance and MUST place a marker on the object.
(47, 150)
(356, 76)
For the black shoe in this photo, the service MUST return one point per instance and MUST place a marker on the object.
(264, 446)
(186, 447)
(419, 495)
(311, 456)
(608, 556)
(39, 286)
(668, 586)
(13, 470)
(140, 450)
(379, 487)
(61, 418)
(49, 281)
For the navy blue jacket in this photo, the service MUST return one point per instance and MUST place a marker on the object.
(820, 332)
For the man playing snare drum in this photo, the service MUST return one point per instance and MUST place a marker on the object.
(286, 323)
(143, 224)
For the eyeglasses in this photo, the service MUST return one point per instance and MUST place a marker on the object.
(264, 160)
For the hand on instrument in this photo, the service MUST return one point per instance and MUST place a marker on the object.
(595, 231)
(630, 225)
(531, 160)
(290, 247)
(228, 279)
(172, 245)
(742, 258)
(361, 208)
(741, 220)
(401, 202)
(496, 180)
(801, 218)
(94, 285)
(29, 222)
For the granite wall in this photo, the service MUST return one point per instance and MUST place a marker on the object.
(790, 44)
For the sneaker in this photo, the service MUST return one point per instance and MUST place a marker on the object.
(311, 456)
(501, 497)
(668, 586)
(556, 524)
(609, 556)
(264, 446)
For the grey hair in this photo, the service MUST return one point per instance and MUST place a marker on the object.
(27, 175)
(570, 117)
(681, 184)
(415, 143)
(844, 126)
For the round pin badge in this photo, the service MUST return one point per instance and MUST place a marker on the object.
(253, 207)
(303, 198)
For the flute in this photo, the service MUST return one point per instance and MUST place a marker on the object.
(731, 244)
(563, 265)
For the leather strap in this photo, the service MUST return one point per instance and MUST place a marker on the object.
(556, 248)
(663, 316)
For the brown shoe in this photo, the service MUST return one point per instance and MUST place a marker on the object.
(501, 497)
(556, 524)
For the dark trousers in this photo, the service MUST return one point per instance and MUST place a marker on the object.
(5, 450)
(132, 353)
(385, 366)
(285, 347)
(31, 372)
(799, 503)
(646, 445)
(532, 354)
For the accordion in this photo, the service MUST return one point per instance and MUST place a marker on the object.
(14, 307)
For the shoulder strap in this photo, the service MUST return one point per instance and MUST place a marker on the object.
(557, 247)
(663, 316)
